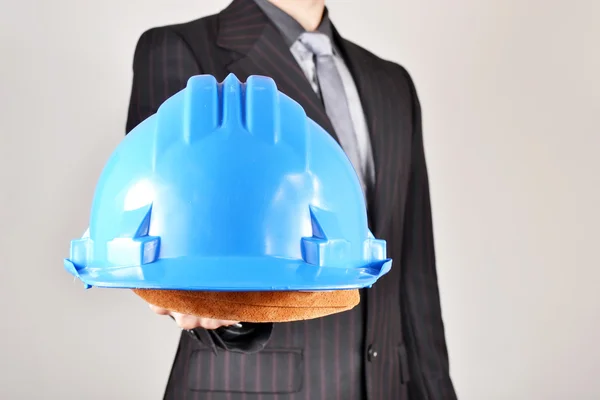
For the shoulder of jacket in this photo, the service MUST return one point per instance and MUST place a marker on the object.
(377, 61)
(198, 27)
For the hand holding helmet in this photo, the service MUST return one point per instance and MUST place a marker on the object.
(187, 321)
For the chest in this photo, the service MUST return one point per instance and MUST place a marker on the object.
(384, 98)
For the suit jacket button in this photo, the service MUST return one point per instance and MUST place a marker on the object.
(372, 353)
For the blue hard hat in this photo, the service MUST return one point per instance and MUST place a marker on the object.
(228, 187)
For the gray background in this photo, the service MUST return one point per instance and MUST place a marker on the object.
(510, 93)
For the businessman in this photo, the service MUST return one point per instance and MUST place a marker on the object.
(390, 347)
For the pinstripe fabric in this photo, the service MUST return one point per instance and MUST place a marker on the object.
(400, 317)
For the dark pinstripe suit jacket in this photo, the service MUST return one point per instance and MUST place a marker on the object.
(392, 345)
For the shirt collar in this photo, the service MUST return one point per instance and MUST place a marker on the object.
(290, 28)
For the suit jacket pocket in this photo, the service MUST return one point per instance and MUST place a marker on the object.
(270, 371)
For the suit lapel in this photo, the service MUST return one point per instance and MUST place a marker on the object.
(376, 90)
(257, 48)
(373, 88)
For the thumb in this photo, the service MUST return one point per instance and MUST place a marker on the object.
(159, 310)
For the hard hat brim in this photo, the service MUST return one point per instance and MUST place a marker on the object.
(231, 274)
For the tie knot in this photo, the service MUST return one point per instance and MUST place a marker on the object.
(317, 43)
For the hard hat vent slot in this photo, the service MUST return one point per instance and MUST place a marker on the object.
(232, 103)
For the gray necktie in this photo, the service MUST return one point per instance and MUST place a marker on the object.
(334, 97)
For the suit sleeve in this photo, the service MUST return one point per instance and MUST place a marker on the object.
(423, 326)
(162, 65)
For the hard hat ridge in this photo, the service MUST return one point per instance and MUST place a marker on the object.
(206, 105)
(201, 111)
